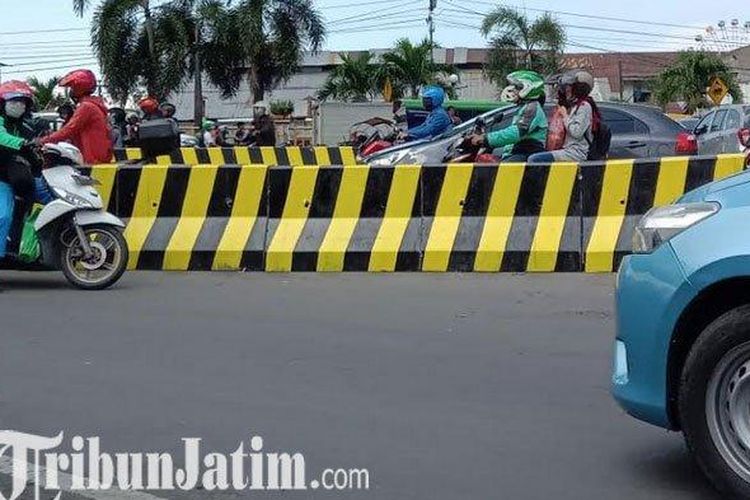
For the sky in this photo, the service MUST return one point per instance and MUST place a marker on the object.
(44, 38)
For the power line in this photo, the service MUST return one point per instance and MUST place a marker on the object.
(51, 62)
(362, 17)
(83, 62)
(34, 32)
(41, 56)
(386, 18)
(465, 10)
(388, 27)
(34, 44)
(590, 16)
(360, 4)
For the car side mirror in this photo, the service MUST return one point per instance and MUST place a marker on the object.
(701, 130)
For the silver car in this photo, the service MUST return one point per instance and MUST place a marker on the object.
(717, 131)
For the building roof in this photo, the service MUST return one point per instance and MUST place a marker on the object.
(634, 65)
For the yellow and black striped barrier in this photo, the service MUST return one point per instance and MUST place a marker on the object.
(455, 217)
(289, 155)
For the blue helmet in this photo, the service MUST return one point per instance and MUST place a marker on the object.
(433, 97)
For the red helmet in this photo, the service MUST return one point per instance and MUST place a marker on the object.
(148, 105)
(14, 89)
(81, 82)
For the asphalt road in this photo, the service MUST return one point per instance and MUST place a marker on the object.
(442, 386)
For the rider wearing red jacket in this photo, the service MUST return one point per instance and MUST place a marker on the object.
(88, 129)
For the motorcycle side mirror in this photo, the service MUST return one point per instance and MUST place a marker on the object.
(479, 125)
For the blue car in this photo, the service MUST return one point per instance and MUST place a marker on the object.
(682, 352)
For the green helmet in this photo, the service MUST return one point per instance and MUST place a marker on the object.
(529, 84)
(207, 124)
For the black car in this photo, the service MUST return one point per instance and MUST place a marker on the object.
(638, 131)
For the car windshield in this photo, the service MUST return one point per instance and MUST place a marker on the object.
(488, 117)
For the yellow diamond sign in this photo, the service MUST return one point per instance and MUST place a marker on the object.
(717, 90)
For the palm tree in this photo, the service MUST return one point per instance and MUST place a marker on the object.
(116, 33)
(355, 79)
(162, 46)
(518, 42)
(44, 92)
(410, 67)
(123, 39)
(272, 36)
(689, 76)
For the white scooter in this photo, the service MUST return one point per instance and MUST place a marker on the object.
(76, 235)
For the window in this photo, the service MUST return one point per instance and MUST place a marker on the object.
(733, 121)
(718, 120)
(622, 123)
(705, 122)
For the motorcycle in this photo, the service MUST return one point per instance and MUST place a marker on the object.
(464, 151)
(373, 135)
(75, 234)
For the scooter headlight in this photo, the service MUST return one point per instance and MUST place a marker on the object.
(661, 224)
(387, 160)
(73, 199)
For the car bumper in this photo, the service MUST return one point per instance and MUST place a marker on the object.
(651, 291)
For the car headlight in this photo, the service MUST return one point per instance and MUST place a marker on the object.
(71, 198)
(661, 224)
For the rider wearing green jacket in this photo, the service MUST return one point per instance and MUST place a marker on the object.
(527, 133)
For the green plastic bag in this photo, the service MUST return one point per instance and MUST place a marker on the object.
(30, 250)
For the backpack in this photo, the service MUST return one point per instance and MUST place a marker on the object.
(600, 133)
(599, 145)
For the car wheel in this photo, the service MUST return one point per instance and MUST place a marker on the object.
(714, 402)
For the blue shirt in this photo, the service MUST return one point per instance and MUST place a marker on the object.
(436, 123)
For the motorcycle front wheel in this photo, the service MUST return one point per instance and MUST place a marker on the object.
(106, 264)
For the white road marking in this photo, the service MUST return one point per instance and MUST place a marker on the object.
(65, 481)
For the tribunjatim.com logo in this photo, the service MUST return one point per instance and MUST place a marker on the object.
(36, 463)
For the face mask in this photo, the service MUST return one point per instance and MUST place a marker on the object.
(15, 109)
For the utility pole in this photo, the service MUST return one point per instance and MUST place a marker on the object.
(198, 111)
(431, 25)
(619, 76)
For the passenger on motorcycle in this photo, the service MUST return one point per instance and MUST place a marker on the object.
(16, 102)
(581, 116)
(88, 129)
(527, 134)
(436, 122)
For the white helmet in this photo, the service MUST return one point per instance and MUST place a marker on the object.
(261, 108)
(65, 151)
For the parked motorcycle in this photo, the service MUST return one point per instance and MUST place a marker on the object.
(371, 136)
(74, 232)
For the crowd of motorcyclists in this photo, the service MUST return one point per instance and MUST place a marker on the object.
(574, 133)
(94, 129)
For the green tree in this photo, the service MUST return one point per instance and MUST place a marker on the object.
(44, 92)
(160, 47)
(689, 76)
(410, 67)
(518, 42)
(355, 79)
(272, 36)
(124, 41)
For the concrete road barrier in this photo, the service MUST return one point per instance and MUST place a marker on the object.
(290, 155)
(456, 217)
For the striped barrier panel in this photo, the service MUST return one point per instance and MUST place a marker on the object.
(456, 217)
(290, 155)
(616, 196)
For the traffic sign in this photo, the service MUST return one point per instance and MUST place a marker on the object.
(717, 90)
